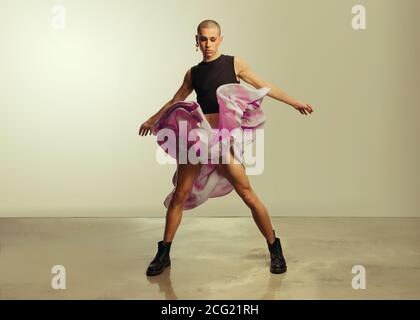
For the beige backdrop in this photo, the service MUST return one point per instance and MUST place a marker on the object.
(71, 102)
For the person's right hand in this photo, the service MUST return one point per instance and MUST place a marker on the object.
(146, 128)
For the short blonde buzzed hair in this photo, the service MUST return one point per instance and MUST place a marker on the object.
(208, 24)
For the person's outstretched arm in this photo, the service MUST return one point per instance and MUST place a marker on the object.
(249, 76)
(183, 92)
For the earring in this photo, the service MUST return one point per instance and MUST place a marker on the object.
(196, 48)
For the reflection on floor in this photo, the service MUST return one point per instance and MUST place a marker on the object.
(212, 258)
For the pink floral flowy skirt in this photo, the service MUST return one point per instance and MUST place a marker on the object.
(239, 109)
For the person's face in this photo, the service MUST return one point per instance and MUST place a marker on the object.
(209, 40)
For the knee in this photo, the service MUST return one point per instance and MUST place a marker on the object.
(247, 195)
(180, 195)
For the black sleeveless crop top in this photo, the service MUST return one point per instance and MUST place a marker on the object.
(206, 77)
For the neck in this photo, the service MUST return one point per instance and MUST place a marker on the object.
(215, 56)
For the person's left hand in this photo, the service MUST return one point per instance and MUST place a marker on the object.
(303, 108)
(146, 128)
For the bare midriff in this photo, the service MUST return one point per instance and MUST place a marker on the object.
(213, 119)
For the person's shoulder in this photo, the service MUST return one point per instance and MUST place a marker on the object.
(240, 64)
(193, 68)
(229, 58)
(236, 59)
(198, 64)
(240, 61)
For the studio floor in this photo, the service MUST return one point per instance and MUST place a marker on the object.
(212, 258)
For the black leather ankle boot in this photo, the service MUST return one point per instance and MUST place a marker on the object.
(278, 263)
(161, 260)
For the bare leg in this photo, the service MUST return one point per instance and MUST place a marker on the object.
(186, 175)
(235, 173)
